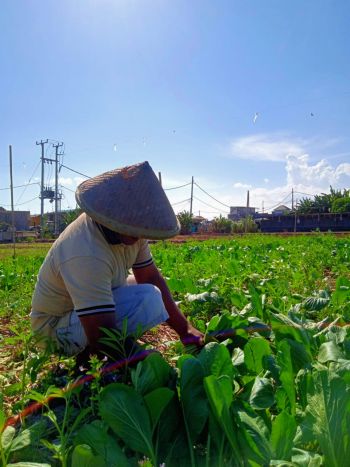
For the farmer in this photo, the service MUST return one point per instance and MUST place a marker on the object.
(84, 283)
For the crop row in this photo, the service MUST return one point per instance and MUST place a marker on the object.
(271, 386)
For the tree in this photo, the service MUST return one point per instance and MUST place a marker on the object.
(325, 202)
(305, 206)
(4, 226)
(222, 225)
(341, 205)
(70, 216)
(186, 221)
(245, 225)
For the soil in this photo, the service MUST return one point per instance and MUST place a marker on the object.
(159, 337)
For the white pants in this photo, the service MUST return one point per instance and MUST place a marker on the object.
(140, 306)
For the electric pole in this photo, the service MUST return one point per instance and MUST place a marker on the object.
(191, 197)
(12, 206)
(42, 144)
(246, 214)
(295, 217)
(57, 196)
(292, 199)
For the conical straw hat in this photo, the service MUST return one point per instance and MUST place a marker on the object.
(130, 201)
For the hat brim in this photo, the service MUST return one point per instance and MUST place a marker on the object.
(130, 201)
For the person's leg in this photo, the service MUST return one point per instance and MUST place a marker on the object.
(64, 333)
(141, 306)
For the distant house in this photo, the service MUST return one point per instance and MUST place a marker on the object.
(281, 210)
(240, 212)
(198, 222)
(21, 219)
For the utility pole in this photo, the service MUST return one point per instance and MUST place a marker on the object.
(57, 197)
(191, 197)
(42, 143)
(12, 206)
(160, 178)
(246, 214)
(292, 199)
(295, 218)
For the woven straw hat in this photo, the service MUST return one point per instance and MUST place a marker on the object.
(130, 201)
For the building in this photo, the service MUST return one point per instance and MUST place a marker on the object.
(197, 223)
(281, 210)
(335, 222)
(21, 219)
(240, 212)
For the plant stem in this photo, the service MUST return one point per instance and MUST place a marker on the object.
(193, 463)
(3, 458)
(207, 457)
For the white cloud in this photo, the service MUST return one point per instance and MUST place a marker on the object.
(343, 169)
(302, 175)
(67, 181)
(305, 179)
(322, 174)
(265, 147)
(242, 185)
(64, 181)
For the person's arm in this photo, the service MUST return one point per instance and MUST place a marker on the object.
(92, 326)
(151, 275)
(88, 282)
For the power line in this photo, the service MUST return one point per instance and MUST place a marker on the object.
(21, 204)
(20, 186)
(75, 171)
(226, 206)
(306, 194)
(181, 202)
(279, 202)
(176, 187)
(30, 179)
(201, 201)
(66, 188)
(208, 212)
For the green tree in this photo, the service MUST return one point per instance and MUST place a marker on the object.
(325, 202)
(186, 221)
(245, 225)
(222, 225)
(341, 205)
(4, 226)
(305, 206)
(69, 216)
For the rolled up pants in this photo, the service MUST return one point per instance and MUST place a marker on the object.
(138, 307)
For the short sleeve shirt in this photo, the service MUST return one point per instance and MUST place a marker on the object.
(81, 269)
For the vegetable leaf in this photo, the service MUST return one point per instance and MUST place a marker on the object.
(124, 411)
(328, 417)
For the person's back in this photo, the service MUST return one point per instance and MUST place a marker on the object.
(82, 284)
(80, 240)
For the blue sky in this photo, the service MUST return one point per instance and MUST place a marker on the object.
(239, 94)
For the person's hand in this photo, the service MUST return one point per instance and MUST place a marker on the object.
(192, 337)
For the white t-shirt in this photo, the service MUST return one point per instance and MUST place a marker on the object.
(81, 269)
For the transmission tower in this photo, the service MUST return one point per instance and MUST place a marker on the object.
(58, 195)
(47, 192)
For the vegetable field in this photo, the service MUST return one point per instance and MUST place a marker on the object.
(270, 387)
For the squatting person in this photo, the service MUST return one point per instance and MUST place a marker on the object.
(84, 283)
